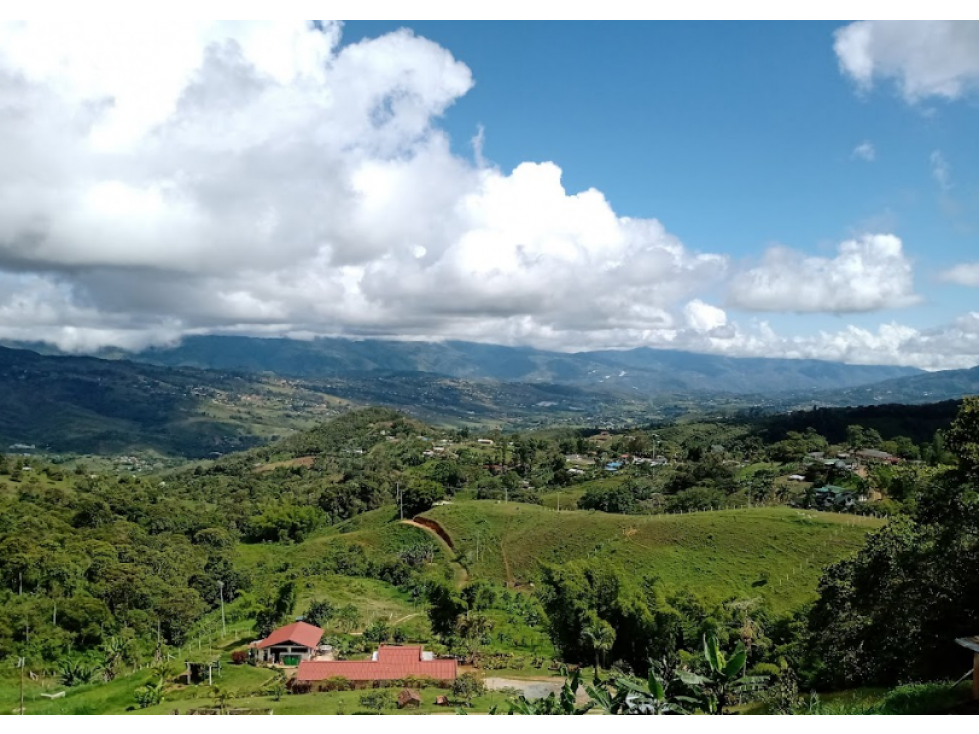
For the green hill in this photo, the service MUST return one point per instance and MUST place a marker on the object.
(776, 553)
(98, 406)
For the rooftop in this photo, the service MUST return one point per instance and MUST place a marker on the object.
(392, 663)
(301, 633)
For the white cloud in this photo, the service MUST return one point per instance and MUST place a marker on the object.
(865, 151)
(261, 176)
(940, 170)
(951, 346)
(255, 178)
(868, 274)
(931, 58)
(702, 316)
(962, 274)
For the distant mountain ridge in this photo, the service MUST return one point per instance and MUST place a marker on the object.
(928, 387)
(644, 371)
(89, 405)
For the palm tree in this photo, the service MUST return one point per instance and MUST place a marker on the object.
(600, 636)
(472, 627)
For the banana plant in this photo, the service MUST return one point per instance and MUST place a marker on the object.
(566, 704)
(725, 677)
(635, 697)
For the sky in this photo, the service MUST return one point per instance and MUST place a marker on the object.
(748, 189)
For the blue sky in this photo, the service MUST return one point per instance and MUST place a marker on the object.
(750, 189)
(735, 135)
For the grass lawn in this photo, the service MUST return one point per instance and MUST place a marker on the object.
(336, 702)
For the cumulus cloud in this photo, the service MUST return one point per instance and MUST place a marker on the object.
(702, 316)
(161, 180)
(931, 58)
(865, 151)
(265, 178)
(962, 274)
(868, 274)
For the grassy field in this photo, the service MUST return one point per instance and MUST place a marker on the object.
(776, 553)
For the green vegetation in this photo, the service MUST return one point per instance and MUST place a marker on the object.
(96, 406)
(777, 553)
(701, 579)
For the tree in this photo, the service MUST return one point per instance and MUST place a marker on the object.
(467, 687)
(854, 437)
(377, 631)
(347, 617)
(962, 438)
(275, 610)
(378, 699)
(420, 495)
(724, 678)
(600, 636)
(444, 609)
(320, 612)
(472, 627)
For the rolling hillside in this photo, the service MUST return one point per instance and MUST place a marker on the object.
(644, 370)
(87, 405)
(744, 553)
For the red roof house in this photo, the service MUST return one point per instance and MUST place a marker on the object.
(390, 663)
(290, 645)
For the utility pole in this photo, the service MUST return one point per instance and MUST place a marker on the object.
(224, 629)
(21, 662)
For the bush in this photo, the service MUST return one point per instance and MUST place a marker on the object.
(467, 687)
(418, 682)
(378, 699)
(335, 683)
(239, 657)
(149, 695)
(378, 631)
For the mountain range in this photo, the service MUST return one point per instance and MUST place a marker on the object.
(210, 394)
(645, 371)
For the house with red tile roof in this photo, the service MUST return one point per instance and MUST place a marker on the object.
(290, 645)
(390, 664)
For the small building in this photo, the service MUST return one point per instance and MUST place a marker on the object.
(972, 644)
(390, 664)
(613, 466)
(873, 455)
(485, 441)
(409, 698)
(832, 497)
(290, 645)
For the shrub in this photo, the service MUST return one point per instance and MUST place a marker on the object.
(335, 683)
(378, 631)
(467, 687)
(378, 699)
(239, 657)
